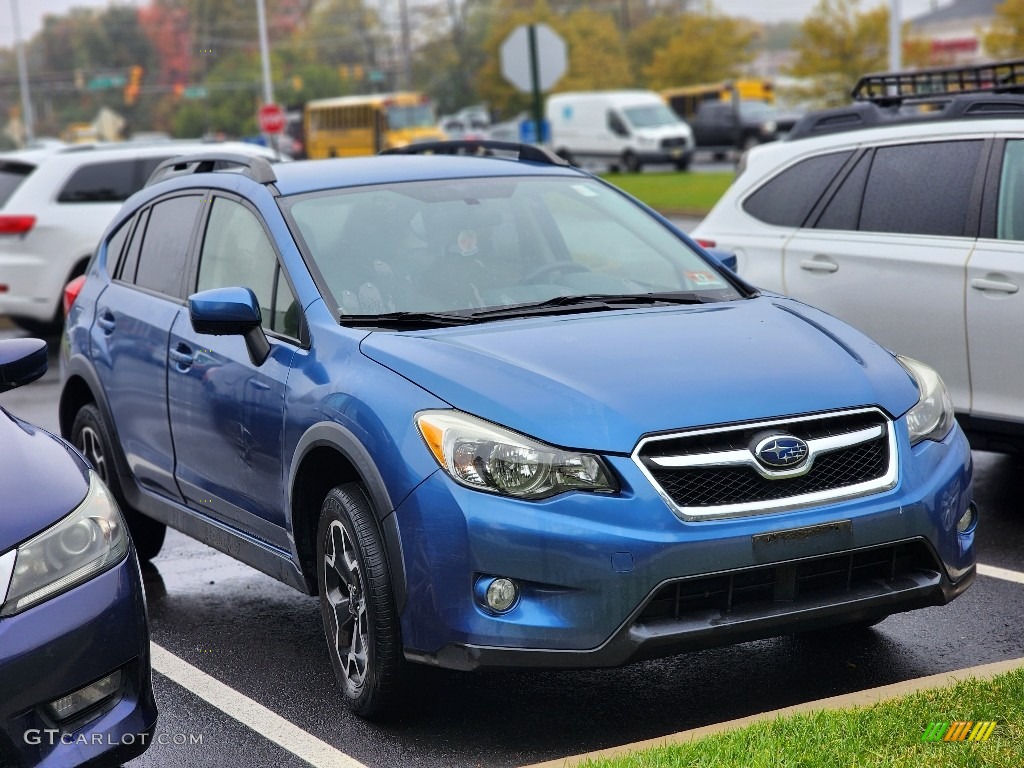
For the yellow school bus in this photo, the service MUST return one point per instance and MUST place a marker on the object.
(348, 126)
(686, 101)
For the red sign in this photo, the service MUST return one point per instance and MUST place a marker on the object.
(271, 118)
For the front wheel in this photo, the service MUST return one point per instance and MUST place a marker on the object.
(631, 162)
(357, 603)
(89, 434)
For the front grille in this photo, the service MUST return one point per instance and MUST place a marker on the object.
(766, 586)
(676, 141)
(714, 473)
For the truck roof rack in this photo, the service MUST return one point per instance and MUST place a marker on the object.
(481, 148)
(894, 88)
(252, 166)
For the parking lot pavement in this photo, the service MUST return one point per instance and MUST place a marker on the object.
(265, 643)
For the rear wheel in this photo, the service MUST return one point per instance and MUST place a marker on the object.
(631, 162)
(357, 603)
(90, 435)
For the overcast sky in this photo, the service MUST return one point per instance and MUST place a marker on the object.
(32, 11)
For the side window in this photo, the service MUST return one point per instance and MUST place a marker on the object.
(787, 199)
(130, 260)
(615, 124)
(163, 257)
(116, 244)
(237, 251)
(1010, 225)
(843, 210)
(101, 183)
(920, 189)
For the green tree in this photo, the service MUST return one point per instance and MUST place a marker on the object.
(837, 44)
(706, 47)
(1005, 37)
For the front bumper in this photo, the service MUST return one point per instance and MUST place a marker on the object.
(593, 570)
(64, 644)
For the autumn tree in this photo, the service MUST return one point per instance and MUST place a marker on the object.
(1005, 37)
(707, 46)
(837, 44)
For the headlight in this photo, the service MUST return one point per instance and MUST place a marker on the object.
(487, 457)
(646, 141)
(932, 417)
(768, 127)
(90, 540)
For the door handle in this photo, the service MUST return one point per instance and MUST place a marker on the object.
(106, 321)
(819, 265)
(182, 356)
(1002, 286)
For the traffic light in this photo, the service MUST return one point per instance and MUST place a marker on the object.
(131, 88)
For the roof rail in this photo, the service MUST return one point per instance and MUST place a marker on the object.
(894, 88)
(480, 148)
(868, 114)
(254, 167)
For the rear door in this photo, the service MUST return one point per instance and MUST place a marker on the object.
(226, 413)
(134, 316)
(995, 290)
(887, 251)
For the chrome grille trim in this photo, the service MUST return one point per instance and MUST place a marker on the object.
(743, 457)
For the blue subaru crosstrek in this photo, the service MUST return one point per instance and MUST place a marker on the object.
(75, 681)
(494, 411)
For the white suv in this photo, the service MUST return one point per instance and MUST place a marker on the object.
(912, 230)
(55, 204)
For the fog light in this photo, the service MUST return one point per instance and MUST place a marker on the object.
(968, 519)
(68, 706)
(499, 595)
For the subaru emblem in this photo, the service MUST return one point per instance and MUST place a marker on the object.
(781, 451)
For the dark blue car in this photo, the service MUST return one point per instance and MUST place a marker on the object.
(495, 412)
(75, 684)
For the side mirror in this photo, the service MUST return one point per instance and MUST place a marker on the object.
(726, 258)
(21, 361)
(231, 312)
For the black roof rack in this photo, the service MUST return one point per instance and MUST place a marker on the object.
(941, 93)
(254, 167)
(893, 88)
(481, 148)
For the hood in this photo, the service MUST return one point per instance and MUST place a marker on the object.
(41, 480)
(600, 381)
(667, 131)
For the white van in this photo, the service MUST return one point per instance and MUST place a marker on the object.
(624, 128)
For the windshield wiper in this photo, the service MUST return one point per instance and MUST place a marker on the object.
(405, 320)
(594, 302)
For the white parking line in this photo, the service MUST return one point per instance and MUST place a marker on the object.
(1001, 573)
(270, 725)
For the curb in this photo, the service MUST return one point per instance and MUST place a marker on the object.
(845, 701)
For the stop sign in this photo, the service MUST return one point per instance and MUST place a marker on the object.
(271, 118)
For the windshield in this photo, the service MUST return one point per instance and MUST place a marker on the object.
(466, 245)
(416, 116)
(757, 110)
(651, 116)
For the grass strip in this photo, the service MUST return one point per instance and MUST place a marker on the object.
(681, 194)
(886, 735)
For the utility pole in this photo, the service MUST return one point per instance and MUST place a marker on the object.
(403, 11)
(268, 85)
(26, 100)
(895, 42)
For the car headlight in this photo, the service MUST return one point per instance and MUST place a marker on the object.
(487, 457)
(646, 141)
(90, 540)
(932, 417)
(769, 127)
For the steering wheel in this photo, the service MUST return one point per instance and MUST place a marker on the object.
(556, 266)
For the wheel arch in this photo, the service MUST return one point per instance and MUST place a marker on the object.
(328, 455)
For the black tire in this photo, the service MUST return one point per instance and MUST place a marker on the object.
(90, 435)
(43, 329)
(631, 162)
(683, 164)
(357, 604)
